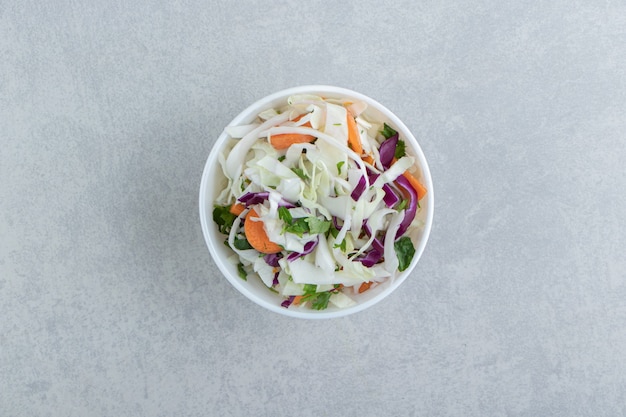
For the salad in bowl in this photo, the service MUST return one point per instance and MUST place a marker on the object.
(316, 202)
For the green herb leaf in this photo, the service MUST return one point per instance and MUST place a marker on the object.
(299, 172)
(402, 205)
(242, 244)
(341, 246)
(242, 272)
(400, 149)
(339, 165)
(321, 301)
(404, 251)
(309, 289)
(223, 218)
(298, 227)
(317, 225)
(282, 158)
(388, 131)
(284, 215)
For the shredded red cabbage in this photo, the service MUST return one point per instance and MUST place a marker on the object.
(378, 245)
(272, 259)
(250, 199)
(288, 301)
(411, 209)
(371, 258)
(387, 151)
(308, 248)
(336, 224)
(390, 198)
(358, 190)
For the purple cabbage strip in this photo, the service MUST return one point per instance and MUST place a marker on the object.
(358, 190)
(390, 198)
(272, 259)
(387, 151)
(308, 248)
(253, 198)
(371, 258)
(288, 301)
(336, 223)
(411, 209)
(250, 199)
(275, 281)
(378, 245)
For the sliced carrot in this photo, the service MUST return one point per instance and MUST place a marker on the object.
(365, 286)
(354, 139)
(285, 140)
(415, 183)
(368, 159)
(255, 233)
(237, 208)
(296, 300)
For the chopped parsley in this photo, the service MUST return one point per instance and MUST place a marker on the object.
(339, 165)
(298, 227)
(299, 172)
(242, 244)
(400, 149)
(302, 225)
(341, 246)
(242, 272)
(388, 131)
(284, 215)
(317, 225)
(223, 218)
(402, 205)
(404, 251)
(321, 301)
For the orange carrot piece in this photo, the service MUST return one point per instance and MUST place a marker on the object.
(417, 185)
(285, 140)
(237, 208)
(296, 300)
(354, 139)
(365, 286)
(368, 159)
(255, 233)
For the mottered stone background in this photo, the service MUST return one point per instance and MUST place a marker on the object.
(110, 304)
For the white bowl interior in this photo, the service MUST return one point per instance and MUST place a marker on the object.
(213, 182)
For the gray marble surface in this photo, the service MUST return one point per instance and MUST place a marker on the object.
(110, 304)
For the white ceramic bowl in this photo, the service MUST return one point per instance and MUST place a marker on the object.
(213, 182)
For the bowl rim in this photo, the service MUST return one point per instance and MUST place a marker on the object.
(254, 109)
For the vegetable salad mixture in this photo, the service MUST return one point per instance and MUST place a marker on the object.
(319, 201)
